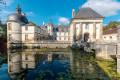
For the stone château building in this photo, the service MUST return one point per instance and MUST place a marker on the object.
(58, 32)
(86, 25)
(19, 30)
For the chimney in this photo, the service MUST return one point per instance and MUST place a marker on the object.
(73, 12)
(43, 23)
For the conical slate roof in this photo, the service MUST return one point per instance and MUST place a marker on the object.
(17, 16)
(50, 23)
(86, 13)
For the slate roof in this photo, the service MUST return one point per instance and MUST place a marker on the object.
(86, 13)
(110, 31)
(61, 26)
(50, 23)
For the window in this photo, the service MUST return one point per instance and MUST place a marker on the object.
(26, 57)
(64, 34)
(26, 37)
(110, 38)
(59, 33)
(69, 34)
(68, 38)
(26, 28)
(9, 26)
(9, 37)
(10, 58)
(26, 66)
(65, 38)
(60, 38)
(56, 29)
(10, 68)
(86, 27)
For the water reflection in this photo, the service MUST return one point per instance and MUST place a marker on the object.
(30, 64)
(53, 65)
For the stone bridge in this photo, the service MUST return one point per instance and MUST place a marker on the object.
(105, 50)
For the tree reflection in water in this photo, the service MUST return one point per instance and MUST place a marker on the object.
(63, 64)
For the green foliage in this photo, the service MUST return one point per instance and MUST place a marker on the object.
(112, 24)
(4, 30)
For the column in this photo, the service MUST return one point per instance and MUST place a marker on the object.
(101, 31)
(74, 32)
(118, 50)
(80, 31)
(94, 31)
(118, 64)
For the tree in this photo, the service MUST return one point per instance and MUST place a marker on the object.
(4, 30)
(112, 24)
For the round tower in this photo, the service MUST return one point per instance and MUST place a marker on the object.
(14, 24)
(51, 28)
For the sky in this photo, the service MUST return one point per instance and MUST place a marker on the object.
(60, 11)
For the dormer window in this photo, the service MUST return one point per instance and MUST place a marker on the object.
(26, 28)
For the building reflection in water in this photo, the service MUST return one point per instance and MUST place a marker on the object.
(32, 64)
(21, 62)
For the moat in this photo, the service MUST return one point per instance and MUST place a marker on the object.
(55, 64)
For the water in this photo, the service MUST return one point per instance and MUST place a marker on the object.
(51, 64)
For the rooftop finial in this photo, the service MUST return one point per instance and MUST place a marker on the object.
(18, 9)
(18, 6)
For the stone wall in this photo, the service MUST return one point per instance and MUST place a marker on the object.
(42, 44)
(104, 50)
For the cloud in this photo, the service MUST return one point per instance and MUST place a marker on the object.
(104, 7)
(7, 2)
(118, 19)
(63, 20)
(29, 14)
(104, 25)
(4, 14)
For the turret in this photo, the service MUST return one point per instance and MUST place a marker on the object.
(50, 23)
(50, 28)
(14, 24)
(43, 23)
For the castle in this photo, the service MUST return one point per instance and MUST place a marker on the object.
(85, 25)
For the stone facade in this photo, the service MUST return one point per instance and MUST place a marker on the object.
(110, 35)
(57, 32)
(83, 28)
(86, 23)
(19, 30)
